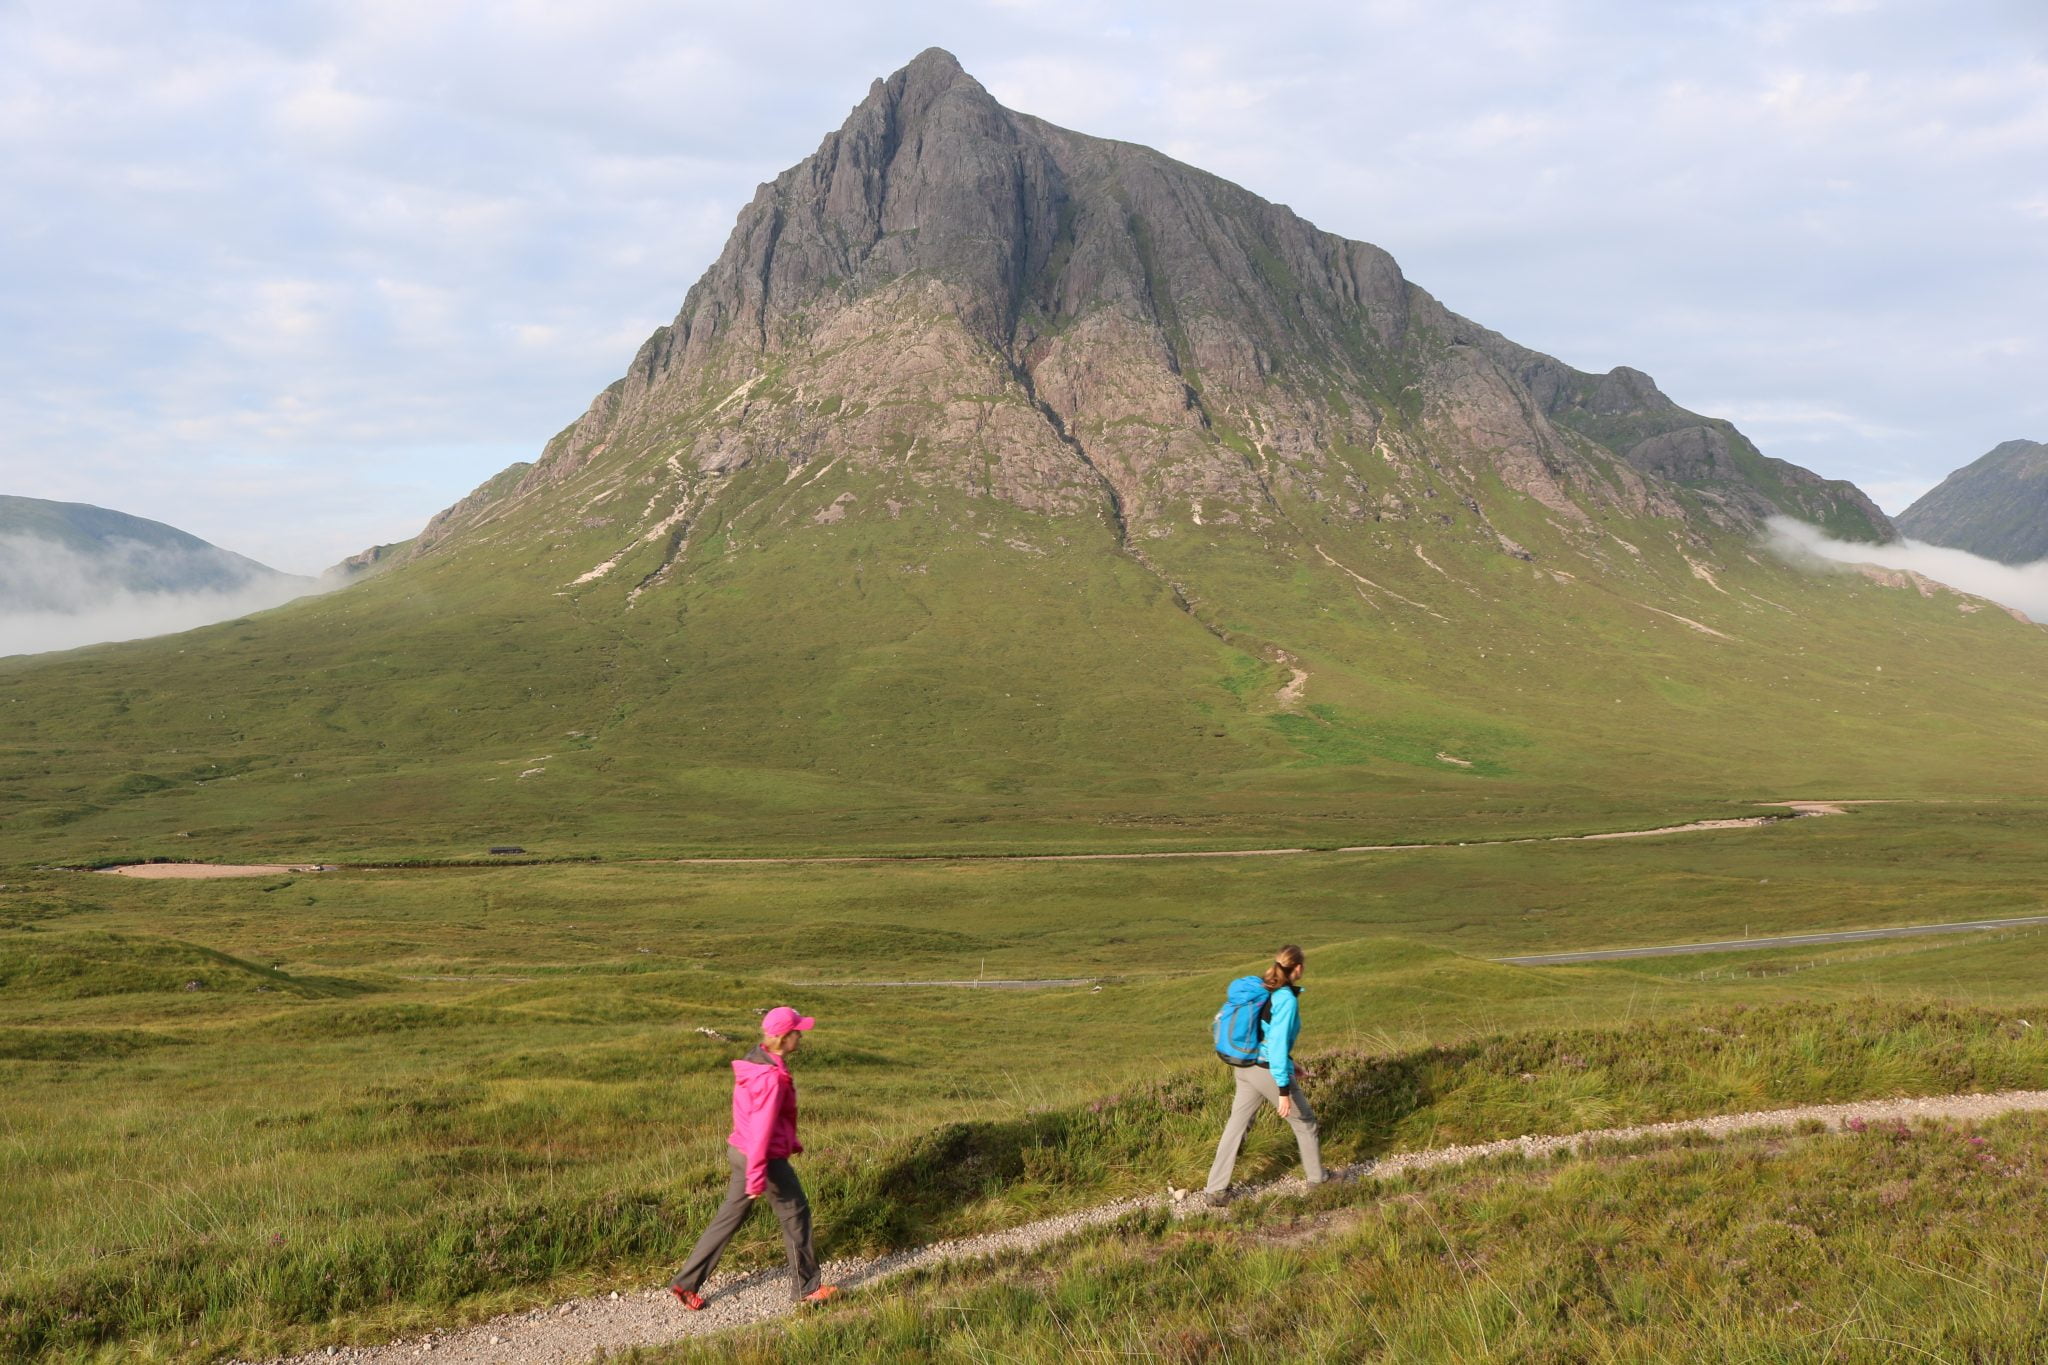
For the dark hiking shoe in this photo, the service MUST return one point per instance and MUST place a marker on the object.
(1213, 1199)
(822, 1294)
(692, 1301)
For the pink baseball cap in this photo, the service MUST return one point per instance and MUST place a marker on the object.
(782, 1019)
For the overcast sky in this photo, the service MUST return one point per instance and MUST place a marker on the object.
(293, 276)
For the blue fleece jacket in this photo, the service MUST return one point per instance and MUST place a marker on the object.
(1277, 1047)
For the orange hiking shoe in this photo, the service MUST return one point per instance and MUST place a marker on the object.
(821, 1294)
(692, 1301)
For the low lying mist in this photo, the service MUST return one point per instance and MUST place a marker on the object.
(54, 596)
(2023, 587)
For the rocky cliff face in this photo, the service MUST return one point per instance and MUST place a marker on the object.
(951, 295)
(1996, 506)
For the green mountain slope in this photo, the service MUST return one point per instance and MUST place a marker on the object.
(1001, 487)
(1996, 506)
(103, 552)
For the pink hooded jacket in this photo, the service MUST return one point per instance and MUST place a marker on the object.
(763, 1114)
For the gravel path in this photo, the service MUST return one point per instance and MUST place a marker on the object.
(980, 983)
(574, 1332)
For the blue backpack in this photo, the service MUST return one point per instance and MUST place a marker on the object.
(1241, 1023)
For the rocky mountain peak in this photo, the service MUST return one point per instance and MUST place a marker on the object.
(971, 297)
(1995, 506)
(928, 173)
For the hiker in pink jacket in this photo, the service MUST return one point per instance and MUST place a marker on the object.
(762, 1141)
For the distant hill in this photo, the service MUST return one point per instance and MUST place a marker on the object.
(1996, 507)
(120, 552)
(74, 574)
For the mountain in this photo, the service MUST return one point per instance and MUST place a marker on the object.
(1004, 487)
(1077, 322)
(68, 556)
(1996, 506)
(72, 574)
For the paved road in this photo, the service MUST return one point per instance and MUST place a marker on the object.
(1738, 945)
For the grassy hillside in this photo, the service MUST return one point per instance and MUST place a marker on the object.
(1893, 1243)
(280, 1111)
(1106, 507)
(999, 680)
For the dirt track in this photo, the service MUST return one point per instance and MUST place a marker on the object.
(1798, 809)
(576, 1331)
(205, 871)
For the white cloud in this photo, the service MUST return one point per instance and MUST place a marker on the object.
(1071, 91)
(1808, 103)
(1789, 420)
(321, 111)
(368, 242)
(1896, 495)
(61, 598)
(2022, 587)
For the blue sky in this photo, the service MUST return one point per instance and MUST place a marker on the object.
(293, 276)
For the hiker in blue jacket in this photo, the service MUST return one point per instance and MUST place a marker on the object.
(1266, 1073)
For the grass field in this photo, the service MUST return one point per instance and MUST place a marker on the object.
(273, 1112)
(802, 690)
(240, 1116)
(1893, 1243)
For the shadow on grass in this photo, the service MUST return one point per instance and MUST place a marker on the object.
(963, 1178)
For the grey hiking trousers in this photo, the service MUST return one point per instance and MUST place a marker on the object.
(1255, 1087)
(786, 1193)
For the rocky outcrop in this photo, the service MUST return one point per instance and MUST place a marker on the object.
(1737, 486)
(949, 293)
(1996, 506)
(1689, 455)
(363, 563)
(473, 509)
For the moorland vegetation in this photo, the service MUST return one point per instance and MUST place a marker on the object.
(1003, 490)
(281, 1112)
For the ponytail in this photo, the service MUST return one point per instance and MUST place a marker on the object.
(1284, 963)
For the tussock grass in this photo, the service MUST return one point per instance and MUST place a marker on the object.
(1894, 1243)
(79, 966)
(398, 1099)
(414, 1200)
